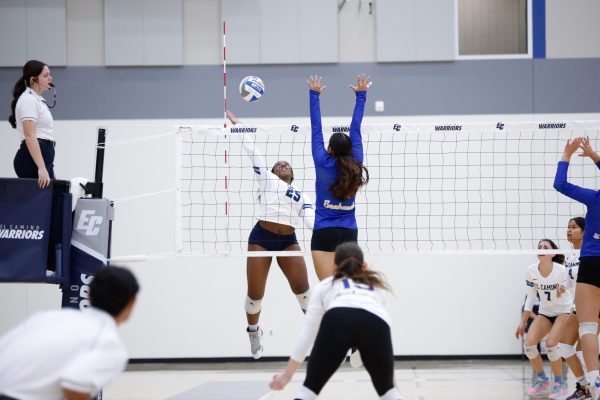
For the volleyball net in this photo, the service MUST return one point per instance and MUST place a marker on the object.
(472, 187)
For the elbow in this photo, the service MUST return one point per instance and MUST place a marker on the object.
(559, 186)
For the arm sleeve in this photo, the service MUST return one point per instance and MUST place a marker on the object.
(307, 212)
(582, 195)
(259, 164)
(93, 369)
(318, 147)
(357, 116)
(530, 292)
(28, 109)
(314, 315)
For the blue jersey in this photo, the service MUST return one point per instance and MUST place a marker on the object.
(589, 197)
(331, 212)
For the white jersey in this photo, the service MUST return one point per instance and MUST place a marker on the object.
(572, 265)
(32, 107)
(551, 304)
(62, 349)
(343, 292)
(277, 201)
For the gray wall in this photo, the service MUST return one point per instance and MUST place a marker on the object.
(459, 87)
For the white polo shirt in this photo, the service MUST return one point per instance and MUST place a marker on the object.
(52, 350)
(32, 107)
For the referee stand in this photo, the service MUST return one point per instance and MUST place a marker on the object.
(42, 239)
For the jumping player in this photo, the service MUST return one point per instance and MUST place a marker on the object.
(587, 291)
(281, 208)
(339, 175)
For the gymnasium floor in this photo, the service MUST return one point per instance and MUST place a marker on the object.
(417, 380)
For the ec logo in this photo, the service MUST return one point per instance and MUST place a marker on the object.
(294, 128)
(397, 127)
(500, 126)
(89, 222)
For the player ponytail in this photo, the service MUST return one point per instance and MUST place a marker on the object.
(558, 258)
(350, 172)
(350, 263)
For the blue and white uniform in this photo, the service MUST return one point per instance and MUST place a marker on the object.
(589, 269)
(551, 303)
(331, 212)
(277, 201)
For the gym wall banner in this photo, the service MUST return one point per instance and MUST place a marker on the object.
(25, 213)
(90, 248)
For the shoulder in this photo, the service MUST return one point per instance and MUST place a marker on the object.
(27, 100)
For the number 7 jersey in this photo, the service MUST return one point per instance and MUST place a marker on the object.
(551, 303)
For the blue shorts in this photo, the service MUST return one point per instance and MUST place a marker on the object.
(271, 241)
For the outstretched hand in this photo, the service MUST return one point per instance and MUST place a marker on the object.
(315, 83)
(363, 82)
(587, 150)
(232, 117)
(570, 148)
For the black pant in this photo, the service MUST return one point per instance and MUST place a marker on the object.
(5, 397)
(341, 329)
(25, 166)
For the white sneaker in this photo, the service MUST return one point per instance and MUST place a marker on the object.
(355, 359)
(255, 345)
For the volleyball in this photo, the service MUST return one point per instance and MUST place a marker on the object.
(252, 88)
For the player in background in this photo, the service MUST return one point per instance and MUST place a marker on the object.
(587, 291)
(549, 279)
(281, 208)
(348, 309)
(570, 348)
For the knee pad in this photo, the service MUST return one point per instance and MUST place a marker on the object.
(303, 299)
(553, 353)
(252, 306)
(531, 351)
(567, 350)
(588, 328)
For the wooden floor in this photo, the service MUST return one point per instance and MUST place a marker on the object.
(418, 380)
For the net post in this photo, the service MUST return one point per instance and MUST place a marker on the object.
(99, 172)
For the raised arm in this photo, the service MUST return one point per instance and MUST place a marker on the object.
(583, 195)
(588, 151)
(362, 85)
(259, 163)
(318, 147)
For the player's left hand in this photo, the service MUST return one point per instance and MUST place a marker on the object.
(363, 82)
(279, 381)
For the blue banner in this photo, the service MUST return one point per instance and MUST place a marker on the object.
(90, 245)
(25, 212)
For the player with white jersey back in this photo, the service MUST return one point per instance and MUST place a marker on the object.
(549, 279)
(346, 310)
(280, 208)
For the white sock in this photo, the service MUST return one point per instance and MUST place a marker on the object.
(305, 393)
(252, 328)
